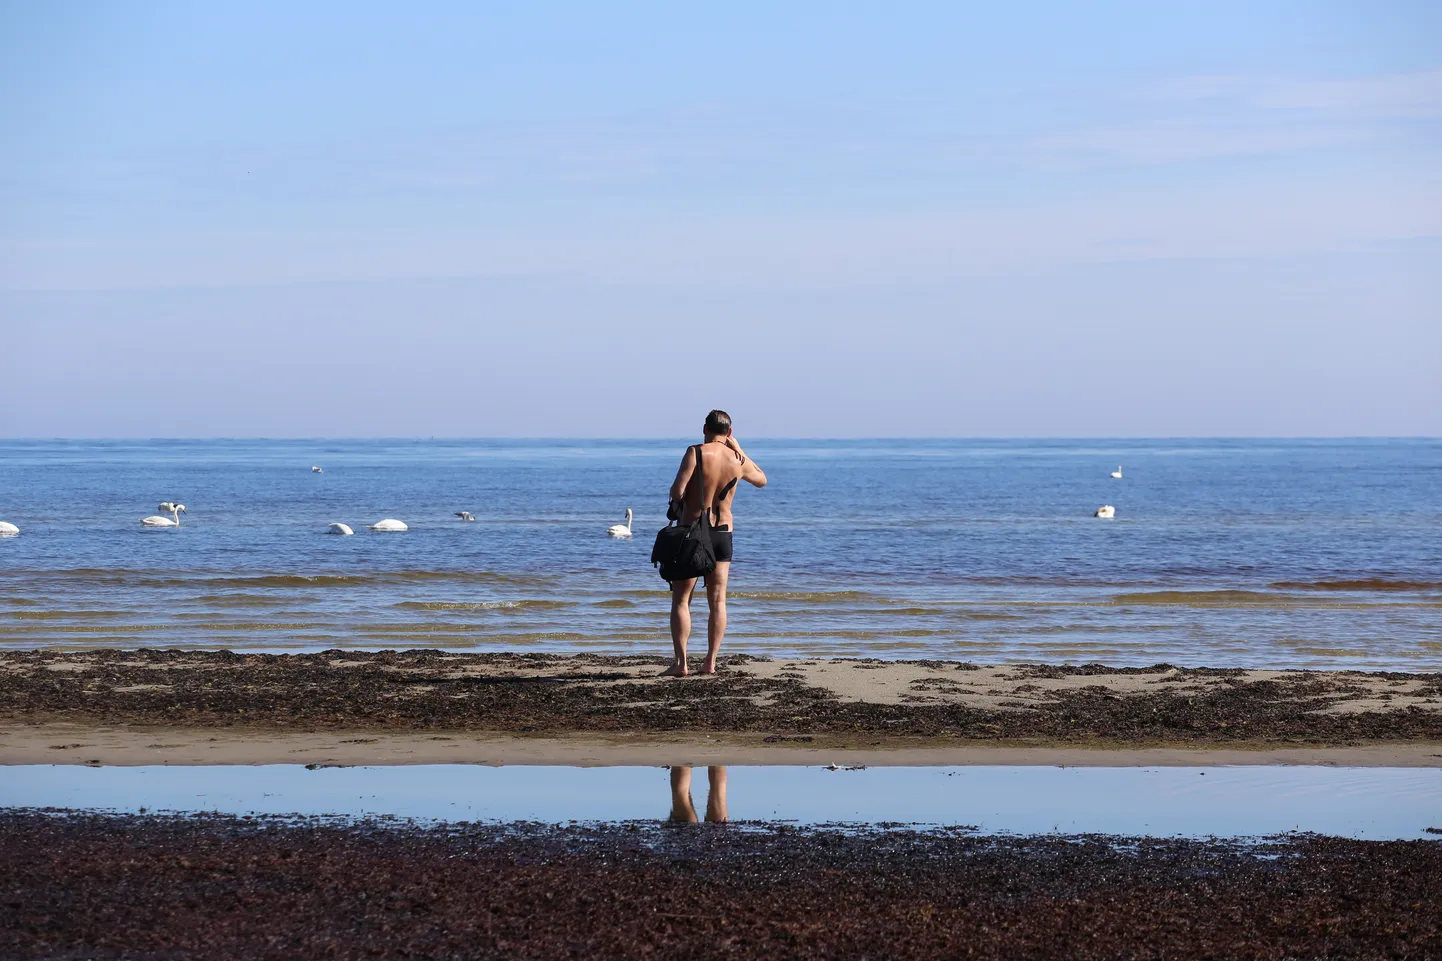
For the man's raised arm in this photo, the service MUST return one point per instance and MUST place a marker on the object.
(750, 473)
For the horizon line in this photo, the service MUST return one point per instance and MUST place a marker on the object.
(416, 438)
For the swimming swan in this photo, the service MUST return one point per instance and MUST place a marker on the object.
(315, 469)
(389, 524)
(8, 529)
(1106, 510)
(156, 520)
(465, 515)
(1118, 472)
(621, 530)
(339, 528)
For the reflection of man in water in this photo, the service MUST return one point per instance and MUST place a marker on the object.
(682, 811)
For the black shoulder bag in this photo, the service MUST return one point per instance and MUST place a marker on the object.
(686, 552)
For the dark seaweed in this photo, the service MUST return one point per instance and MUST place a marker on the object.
(127, 887)
(423, 690)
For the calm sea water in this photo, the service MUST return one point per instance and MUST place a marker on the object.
(1255, 553)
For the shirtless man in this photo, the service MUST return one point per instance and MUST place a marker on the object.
(723, 463)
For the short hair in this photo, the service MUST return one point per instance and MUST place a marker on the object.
(718, 422)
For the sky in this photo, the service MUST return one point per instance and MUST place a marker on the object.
(830, 219)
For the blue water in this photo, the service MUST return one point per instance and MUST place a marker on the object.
(1225, 552)
(1372, 803)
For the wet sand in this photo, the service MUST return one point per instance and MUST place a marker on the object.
(93, 886)
(124, 746)
(158, 706)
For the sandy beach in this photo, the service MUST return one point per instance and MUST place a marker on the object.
(180, 707)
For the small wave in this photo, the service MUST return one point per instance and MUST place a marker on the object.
(287, 580)
(1200, 597)
(359, 580)
(1363, 584)
(860, 635)
(90, 575)
(61, 615)
(85, 629)
(879, 612)
(820, 597)
(903, 611)
(220, 580)
(199, 622)
(481, 605)
(238, 600)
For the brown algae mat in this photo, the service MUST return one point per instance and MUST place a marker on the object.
(121, 887)
(860, 701)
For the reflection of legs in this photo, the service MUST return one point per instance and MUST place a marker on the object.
(716, 626)
(681, 808)
(680, 624)
(716, 796)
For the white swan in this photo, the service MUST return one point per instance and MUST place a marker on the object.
(8, 529)
(465, 515)
(1118, 472)
(621, 530)
(315, 469)
(1106, 510)
(156, 520)
(339, 528)
(165, 507)
(389, 524)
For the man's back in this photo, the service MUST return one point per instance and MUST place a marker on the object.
(721, 468)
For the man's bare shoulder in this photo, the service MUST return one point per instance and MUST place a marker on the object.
(721, 458)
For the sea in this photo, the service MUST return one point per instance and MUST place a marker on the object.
(1222, 553)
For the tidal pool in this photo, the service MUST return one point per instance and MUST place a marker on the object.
(1369, 803)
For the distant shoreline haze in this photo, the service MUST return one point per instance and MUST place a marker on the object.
(683, 440)
(1337, 346)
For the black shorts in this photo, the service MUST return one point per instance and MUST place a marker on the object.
(721, 541)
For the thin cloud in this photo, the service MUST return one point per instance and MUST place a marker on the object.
(1189, 119)
(1380, 96)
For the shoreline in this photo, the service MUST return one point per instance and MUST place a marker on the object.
(100, 746)
(157, 704)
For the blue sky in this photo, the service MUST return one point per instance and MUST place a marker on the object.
(1046, 219)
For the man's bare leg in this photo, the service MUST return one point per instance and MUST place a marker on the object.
(716, 796)
(680, 625)
(681, 807)
(716, 625)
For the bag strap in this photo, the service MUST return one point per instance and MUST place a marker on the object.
(701, 487)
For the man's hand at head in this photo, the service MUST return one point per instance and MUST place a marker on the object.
(735, 445)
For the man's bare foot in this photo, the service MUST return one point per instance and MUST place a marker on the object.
(708, 666)
(675, 670)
